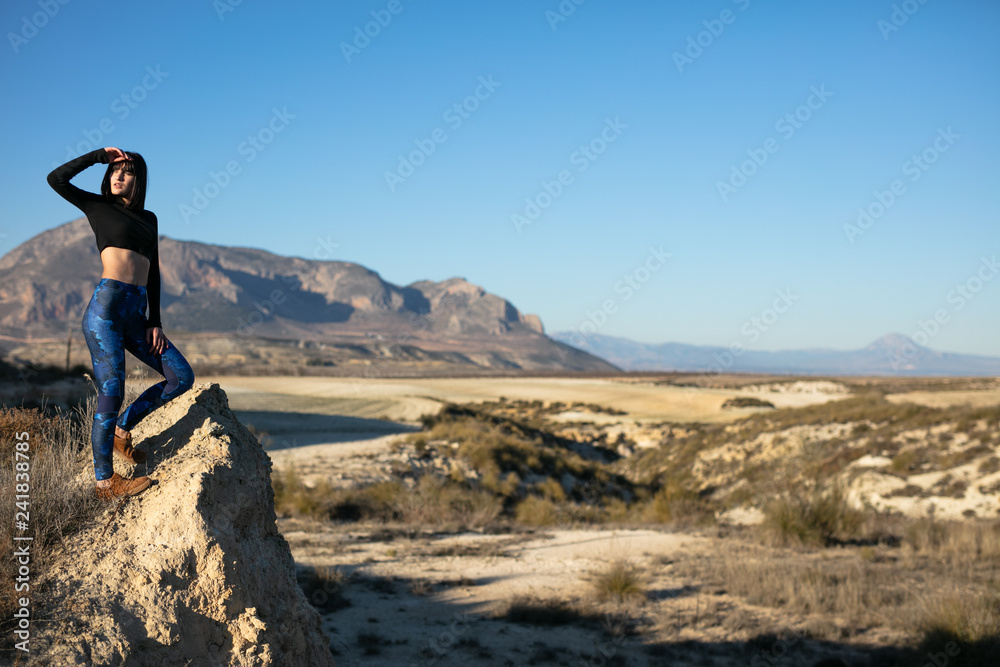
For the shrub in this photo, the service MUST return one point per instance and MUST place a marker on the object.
(621, 581)
(674, 503)
(535, 511)
(968, 625)
(819, 520)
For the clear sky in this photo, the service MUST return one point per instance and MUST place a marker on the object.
(588, 143)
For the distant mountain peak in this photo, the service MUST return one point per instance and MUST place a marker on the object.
(892, 354)
(893, 341)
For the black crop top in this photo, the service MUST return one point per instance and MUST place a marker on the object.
(113, 224)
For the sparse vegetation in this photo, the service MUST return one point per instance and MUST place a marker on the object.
(746, 402)
(544, 475)
(622, 580)
(58, 448)
(433, 501)
(675, 503)
(822, 519)
(501, 467)
(962, 625)
(955, 543)
(500, 470)
(535, 511)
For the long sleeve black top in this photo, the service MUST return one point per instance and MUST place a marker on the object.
(113, 224)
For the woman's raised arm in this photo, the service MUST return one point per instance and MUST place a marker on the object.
(60, 176)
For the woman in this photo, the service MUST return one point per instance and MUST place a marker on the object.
(114, 320)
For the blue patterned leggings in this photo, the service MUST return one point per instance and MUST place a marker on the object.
(115, 321)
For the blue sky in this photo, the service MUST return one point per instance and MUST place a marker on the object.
(807, 111)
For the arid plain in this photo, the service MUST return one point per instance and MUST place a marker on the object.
(638, 520)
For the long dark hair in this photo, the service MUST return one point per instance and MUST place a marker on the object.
(138, 166)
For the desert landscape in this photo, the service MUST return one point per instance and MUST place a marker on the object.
(636, 519)
(708, 569)
(584, 334)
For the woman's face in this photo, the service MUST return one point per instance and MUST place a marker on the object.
(122, 181)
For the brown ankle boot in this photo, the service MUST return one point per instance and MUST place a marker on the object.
(124, 449)
(123, 487)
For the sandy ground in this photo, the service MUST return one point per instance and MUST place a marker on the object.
(947, 399)
(442, 600)
(434, 600)
(418, 598)
(406, 400)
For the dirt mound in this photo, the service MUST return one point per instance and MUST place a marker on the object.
(191, 572)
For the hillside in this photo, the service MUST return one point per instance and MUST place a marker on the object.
(234, 298)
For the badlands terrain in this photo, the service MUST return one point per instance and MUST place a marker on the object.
(630, 519)
(639, 519)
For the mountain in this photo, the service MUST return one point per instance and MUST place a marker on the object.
(893, 354)
(247, 294)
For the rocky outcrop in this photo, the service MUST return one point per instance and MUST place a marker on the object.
(191, 572)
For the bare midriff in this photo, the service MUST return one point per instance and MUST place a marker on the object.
(127, 266)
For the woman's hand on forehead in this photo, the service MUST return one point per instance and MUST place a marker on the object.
(118, 154)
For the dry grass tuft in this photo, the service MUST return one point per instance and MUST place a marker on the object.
(58, 447)
(820, 520)
(535, 511)
(861, 594)
(954, 542)
(676, 504)
(962, 625)
(619, 582)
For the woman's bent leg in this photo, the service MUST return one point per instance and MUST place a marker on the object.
(171, 364)
(102, 329)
